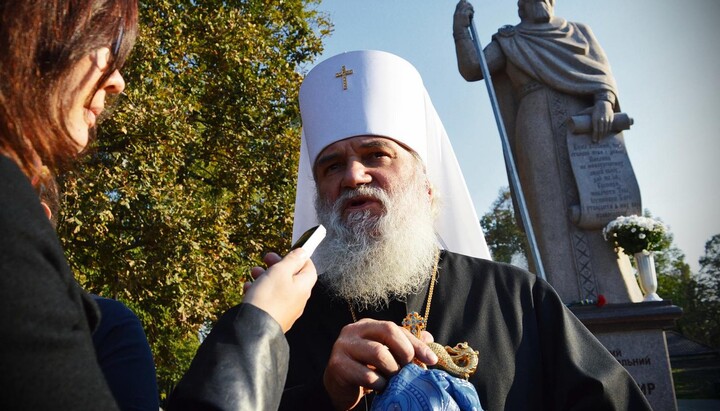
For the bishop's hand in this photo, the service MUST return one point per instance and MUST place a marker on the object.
(365, 355)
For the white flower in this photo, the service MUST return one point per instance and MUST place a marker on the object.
(632, 233)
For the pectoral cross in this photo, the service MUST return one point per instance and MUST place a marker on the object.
(414, 323)
(343, 73)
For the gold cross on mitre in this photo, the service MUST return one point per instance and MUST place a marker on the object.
(343, 73)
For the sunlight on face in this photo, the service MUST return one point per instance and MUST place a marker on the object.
(364, 160)
(82, 102)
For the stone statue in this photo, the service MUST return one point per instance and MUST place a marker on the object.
(551, 76)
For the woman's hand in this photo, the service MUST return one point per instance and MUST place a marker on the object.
(283, 289)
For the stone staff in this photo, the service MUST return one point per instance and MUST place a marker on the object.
(509, 160)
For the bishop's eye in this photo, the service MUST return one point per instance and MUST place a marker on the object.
(332, 167)
(378, 158)
(380, 155)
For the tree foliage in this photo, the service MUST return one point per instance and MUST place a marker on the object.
(675, 280)
(698, 294)
(192, 179)
(504, 237)
(701, 321)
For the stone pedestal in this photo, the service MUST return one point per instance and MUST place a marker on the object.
(635, 334)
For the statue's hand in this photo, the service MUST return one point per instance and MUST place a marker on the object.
(602, 119)
(463, 16)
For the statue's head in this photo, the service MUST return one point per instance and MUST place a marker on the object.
(536, 11)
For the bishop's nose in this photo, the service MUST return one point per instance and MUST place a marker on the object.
(355, 175)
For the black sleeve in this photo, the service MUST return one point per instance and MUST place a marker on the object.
(46, 353)
(580, 373)
(125, 357)
(241, 365)
(311, 340)
(311, 395)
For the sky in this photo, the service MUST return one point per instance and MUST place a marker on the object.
(666, 60)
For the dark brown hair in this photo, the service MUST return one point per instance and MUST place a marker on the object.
(40, 43)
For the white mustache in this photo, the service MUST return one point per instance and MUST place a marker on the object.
(361, 191)
(368, 259)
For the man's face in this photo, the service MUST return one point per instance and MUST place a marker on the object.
(362, 161)
(375, 201)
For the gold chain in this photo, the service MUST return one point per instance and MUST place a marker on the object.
(352, 312)
(463, 368)
(430, 291)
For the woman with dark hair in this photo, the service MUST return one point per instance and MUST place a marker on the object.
(60, 59)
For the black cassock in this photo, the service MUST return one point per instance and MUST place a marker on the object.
(534, 353)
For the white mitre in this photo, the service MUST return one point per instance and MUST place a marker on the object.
(377, 93)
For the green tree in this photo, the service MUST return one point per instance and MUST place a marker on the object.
(706, 325)
(710, 265)
(675, 280)
(677, 283)
(504, 237)
(193, 177)
(697, 294)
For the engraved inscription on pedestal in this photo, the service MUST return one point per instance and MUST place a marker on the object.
(606, 183)
(644, 354)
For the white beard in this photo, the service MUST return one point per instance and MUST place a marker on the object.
(368, 260)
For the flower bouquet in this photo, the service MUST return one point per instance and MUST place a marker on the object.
(635, 234)
(639, 237)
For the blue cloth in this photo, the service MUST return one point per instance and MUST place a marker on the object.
(124, 356)
(426, 390)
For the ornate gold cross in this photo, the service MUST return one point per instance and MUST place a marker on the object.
(414, 323)
(343, 73)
